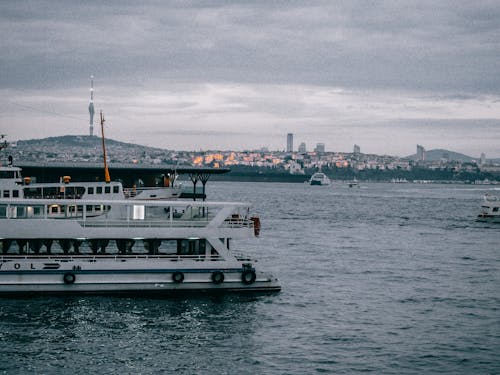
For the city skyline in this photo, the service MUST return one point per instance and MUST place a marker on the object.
(240, 75)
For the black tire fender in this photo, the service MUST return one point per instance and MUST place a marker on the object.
(248, 277)
(69, 278)
(218, 277)
(177, 277)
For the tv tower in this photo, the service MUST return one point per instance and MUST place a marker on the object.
(91, 106)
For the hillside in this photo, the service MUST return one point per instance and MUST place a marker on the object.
(438, 154)
(79, 141)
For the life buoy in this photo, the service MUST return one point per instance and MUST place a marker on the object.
(248, 277)
(177, 277)
(256, 225)
(69, 278)
(217, 277)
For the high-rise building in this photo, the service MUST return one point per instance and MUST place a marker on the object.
(482, 161)
(302, 148)
(420, 153)
(289, 142)
(357, 149)
(320, 148)
(91, 107)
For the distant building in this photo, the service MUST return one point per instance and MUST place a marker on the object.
(302, 148)
(357, 149)
(289, 142)
(420, 153)
(483, 159)
(320, 148)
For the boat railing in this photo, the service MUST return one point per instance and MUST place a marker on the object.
(142, 223)
(175, 223)
(117, 257)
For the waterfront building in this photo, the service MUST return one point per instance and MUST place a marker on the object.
(420, 153)
(289, 142)
(320, 148)
(483, 159)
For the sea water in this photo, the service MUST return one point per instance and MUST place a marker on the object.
(384, 278)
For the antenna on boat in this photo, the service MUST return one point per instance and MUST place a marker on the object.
(107, 178)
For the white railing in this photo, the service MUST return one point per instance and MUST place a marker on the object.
(117, 257)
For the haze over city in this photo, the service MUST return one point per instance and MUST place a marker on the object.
(240, 75)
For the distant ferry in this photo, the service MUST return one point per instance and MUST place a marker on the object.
(353, 183)
(319, 178)
(490, 209)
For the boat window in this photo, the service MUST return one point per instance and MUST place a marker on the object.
(107, 189)
(495, 209)
(116, 189)
(6, 193)
(20, 212)
(3, 211)
(89, 208)
(97, 208)
(80, 208)
(7, 174)
(90, 190)
(54, 209)
(71, 208)
(138, 213)
(74, 192)
(15, 193)
(98, 190)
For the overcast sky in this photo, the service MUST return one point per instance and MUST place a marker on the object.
(191, 75)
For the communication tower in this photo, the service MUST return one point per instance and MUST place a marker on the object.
(91, 106)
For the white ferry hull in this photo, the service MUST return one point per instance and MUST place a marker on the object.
(134, 247)
(32, 277)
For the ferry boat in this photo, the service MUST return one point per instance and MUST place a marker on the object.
(490, 209)
(94, 237)
(133, 246)
(319, 178)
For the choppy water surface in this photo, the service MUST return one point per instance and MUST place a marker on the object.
(385, 278)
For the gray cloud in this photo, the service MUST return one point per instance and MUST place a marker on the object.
(273, 67)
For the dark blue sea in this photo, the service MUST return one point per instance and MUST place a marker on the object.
(385, 278)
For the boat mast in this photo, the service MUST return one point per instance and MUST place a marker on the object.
(107, 178)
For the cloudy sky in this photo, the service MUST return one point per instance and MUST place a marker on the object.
(191, 75)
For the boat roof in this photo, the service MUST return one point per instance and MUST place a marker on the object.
(118, 202)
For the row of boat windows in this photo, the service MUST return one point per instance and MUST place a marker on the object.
(20, 212)
(70, 192)
(9, 193)
(165, 247)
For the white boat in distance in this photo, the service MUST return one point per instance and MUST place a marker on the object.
(490, 209)
(319, 178)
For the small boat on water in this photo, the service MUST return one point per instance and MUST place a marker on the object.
(319, 178)
(353, 183)
(490, 209)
